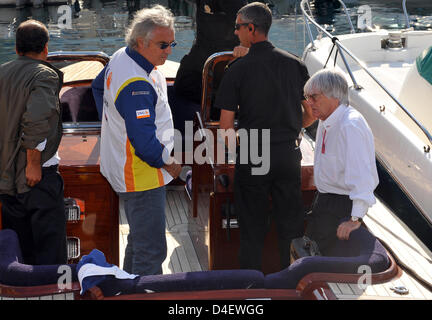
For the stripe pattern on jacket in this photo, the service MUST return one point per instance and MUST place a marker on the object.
(137, 127)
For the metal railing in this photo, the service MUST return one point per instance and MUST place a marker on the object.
(342, 50)
(348, 16)
(407, 19)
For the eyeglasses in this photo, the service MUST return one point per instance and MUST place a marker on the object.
(237, 26)
(164, 45)
(313, 96)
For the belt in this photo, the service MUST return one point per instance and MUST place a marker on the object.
(332, 195)
(50, 168)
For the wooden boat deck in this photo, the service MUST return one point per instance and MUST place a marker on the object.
(180, 227)
(85, 70)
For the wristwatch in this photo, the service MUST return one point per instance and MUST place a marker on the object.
(355, 219)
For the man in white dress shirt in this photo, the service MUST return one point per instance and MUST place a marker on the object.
(345, 171)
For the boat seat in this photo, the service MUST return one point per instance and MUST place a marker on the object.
(18, 279)
(345, 257)
(14, 273)
(176, 282)
(362, 249)
(218, 72)
(78, 105)
(214, 70)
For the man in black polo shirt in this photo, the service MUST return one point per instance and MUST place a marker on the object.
(266, 89)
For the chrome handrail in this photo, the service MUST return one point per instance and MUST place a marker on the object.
(408, 23)
(348, 17)
(308, 18)
(307, 21)
(342, 49)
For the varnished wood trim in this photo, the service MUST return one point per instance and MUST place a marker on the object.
(314, 280)
(232, 294)
(36, 291)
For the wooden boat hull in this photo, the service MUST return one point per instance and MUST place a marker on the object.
(80, 170)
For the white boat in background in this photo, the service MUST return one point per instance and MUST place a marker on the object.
(383, 68)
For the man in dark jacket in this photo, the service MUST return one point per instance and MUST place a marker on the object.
(31, 188)
(214, 24)
(214, 33)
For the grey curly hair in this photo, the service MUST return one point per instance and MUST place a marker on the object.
(332, 84)
(145, 21)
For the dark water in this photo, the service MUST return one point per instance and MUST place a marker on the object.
(99, 25)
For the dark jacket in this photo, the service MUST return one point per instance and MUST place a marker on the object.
(29, 113)
(215, 20)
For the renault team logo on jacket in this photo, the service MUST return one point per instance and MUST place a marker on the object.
(145, 113)
(109, 79)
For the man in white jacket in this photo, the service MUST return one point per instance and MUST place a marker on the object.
(138, 135)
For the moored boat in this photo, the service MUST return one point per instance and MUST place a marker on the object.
(218, 238)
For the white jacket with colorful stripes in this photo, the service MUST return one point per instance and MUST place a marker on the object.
(137, 128)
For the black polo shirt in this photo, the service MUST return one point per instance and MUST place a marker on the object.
(266, 87)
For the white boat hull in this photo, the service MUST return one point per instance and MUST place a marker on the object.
(399, 143)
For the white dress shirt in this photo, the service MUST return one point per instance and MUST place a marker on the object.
(55, 159)
(345, 158)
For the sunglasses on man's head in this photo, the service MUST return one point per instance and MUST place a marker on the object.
(237, 26)
(164, 45)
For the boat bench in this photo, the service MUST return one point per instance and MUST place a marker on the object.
(21, 280)
(361, 252)
(79, 106)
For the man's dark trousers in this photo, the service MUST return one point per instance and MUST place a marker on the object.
(252, 195)
(38, 217)
(327, 213)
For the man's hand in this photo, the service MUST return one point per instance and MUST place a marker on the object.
(345, 228)
(33, 169)
(240, 51)
(308, 117)
(173, 169)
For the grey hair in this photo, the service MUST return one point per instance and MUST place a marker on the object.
(259, 14)
(145, 21)
(330, 83)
